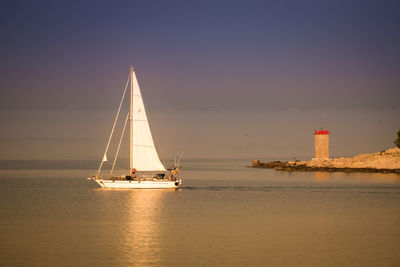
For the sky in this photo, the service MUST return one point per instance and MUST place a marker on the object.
(236, 67)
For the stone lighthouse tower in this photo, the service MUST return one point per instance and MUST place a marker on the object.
(321, 144)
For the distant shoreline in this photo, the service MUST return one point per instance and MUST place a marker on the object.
(387, 161)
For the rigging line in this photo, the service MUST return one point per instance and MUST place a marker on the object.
(115, 122)
(119, 145)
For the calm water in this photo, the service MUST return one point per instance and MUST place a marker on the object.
(225, 215)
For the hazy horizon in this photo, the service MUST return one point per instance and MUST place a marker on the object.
(200, 134)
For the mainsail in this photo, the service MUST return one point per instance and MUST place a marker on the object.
(144, 155)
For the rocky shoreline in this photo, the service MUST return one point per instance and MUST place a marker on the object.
(387, 161)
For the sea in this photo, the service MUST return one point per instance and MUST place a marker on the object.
(226, 214)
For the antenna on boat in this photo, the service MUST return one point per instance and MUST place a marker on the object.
(178, 162)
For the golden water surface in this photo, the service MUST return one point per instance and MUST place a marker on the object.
(223, 216)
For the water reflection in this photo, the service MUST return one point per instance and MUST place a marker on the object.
(141, 239)
(359, 178)
(321, 176)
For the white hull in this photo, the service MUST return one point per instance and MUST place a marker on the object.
(137, 184)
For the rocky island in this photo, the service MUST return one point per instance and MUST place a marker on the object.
(387, 161)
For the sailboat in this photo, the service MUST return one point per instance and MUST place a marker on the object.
(145, 167)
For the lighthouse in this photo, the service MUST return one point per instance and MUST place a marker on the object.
(321, 144)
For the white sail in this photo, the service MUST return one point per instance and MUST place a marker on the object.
(144, 154)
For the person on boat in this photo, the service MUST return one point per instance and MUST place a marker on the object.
(133, 173)
(174, 172)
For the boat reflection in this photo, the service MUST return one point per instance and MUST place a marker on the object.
(142, 236)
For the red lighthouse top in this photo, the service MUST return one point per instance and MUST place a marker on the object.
(321, 132)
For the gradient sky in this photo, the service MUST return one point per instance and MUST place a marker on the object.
(72, 58)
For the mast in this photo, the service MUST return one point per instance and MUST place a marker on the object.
(131, 125)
